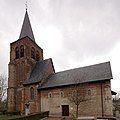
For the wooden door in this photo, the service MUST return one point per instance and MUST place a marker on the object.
(65, 110)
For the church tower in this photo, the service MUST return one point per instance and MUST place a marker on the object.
(24, 53)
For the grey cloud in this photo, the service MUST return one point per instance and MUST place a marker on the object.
(89, 27)
(100, 24)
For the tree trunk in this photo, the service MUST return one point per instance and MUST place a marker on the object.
(77, 111)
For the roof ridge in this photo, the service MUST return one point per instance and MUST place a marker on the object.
(83, 67)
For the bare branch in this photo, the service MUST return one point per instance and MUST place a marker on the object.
(3, 87)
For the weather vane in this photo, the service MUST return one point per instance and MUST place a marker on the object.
(26, 4)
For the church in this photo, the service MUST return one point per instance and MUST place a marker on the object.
(34, 86)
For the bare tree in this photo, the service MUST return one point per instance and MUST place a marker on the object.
(77, 97)
(116, 103)
(3, 88)
(116, 97)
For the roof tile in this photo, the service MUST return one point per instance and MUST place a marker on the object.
(26, 28)
(91, 73)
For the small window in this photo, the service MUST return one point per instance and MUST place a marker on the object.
(62, 94)
(108, 98)
(50, 95)
(21, 51)
(32, 93)
(20, 83)
(33, 53)
(17, 53)
(89, 92)
(37, 56)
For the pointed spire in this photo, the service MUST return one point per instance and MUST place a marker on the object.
(26, 28)
(26, 5)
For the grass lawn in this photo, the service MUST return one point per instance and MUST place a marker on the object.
(5, 117)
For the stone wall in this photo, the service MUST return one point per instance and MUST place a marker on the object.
(95, 104)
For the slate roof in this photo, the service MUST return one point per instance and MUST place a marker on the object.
(98, 72)
(37, 72)
(26, 28)
(113, 93)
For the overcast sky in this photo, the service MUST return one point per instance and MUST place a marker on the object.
(74, 33)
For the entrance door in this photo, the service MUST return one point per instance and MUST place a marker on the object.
(65, 110)
(27, 109)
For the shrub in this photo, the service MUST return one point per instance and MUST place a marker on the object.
(36, 116)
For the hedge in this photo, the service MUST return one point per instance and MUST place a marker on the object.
(36, 116)
(12, 113)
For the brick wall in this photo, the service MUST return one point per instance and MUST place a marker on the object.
(19, 70)
(34, 104)
(93, 106)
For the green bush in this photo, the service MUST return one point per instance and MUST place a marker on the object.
(13, 113)
(36, 116)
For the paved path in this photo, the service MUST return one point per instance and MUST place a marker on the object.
(53, 118)
(56, 118)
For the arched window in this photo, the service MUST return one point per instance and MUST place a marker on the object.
(89, 92)
(50, 95)
(62, 94)
(37, 56)
(16, 52)
(21, 51)
(33, 53)
(32, 93)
